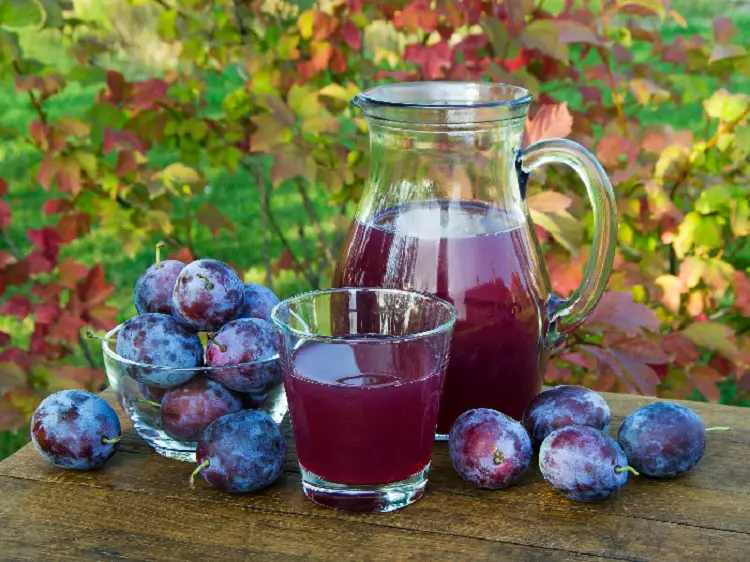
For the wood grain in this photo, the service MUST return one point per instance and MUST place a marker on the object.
(139, 506)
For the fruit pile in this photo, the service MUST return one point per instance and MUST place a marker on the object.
(238, 450)
(568, 425)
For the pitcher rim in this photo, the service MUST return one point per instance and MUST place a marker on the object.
(366, 95)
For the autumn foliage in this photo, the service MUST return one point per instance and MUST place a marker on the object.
(675, 320)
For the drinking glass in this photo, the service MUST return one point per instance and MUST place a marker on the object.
(363, 371)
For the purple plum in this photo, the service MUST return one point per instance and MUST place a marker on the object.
(258, 302)
(244, 341)
(663, 439)
(187, 410)
(241, 452)
(563, 406)
(489, 449)
(75, 429)
(153, 290)
(162, 341)
(583, 464)
(208, 294)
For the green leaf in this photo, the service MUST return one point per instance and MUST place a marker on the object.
(725, 106)
(566, 229)
(20, 13)
(714, 199)
(544, 35)
(287, 47)
(87, 161)
(167, 26)
(498, 34)
(713, 335)
(178, 175)
(698, 231)
(237, 104)
(303, 100)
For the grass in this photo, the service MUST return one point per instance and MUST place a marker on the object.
(236, 194)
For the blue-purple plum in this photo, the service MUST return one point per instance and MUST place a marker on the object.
(245, 340)
(208, 294)
(563, 406)
(582, 463)
(75, 429)
(161, 341)
(489, 449)
(663, 439)
(241, 452)
(258, 302)
(187, 410)
(153, 290)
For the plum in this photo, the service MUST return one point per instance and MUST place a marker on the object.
(152, 393)
(187, 410)
(162, 341)
(75, 429)
(563, 406)
(663, 439)
(258, 302)
(208, 294)
(241, 452)
(489, 449)
(153, 290)
(583, 464)
(244, 341)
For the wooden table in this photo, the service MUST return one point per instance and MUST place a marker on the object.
(139, 507)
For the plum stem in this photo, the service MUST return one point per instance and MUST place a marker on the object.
(93, 336)
(619, 469)
(718, 428)
(497, 455)
(159, 246)
(206, 280)
(150, 402)
(201, 466)
(212, 339)
(106, 441)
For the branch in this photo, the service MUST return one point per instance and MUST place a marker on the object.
(314, 218)
(264, 205)
(11, 245)
(35, 102)
(86, 351)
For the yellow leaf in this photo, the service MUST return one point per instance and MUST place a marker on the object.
(320, 123)
(712, 335)
(305, 23)
(303, 100)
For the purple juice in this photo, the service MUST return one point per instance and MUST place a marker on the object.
(481, 260)
(364, 413)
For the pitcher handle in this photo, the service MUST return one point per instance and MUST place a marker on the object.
(568, 313)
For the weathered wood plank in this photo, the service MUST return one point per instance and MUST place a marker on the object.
(43, 521)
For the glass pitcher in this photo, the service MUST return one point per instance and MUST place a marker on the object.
(444, 212)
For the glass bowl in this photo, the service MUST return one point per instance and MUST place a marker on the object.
(139, 400)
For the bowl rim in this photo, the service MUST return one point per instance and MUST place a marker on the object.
(112, 354)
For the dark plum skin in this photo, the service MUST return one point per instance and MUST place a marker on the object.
(208, 294)
(663, 439)
(163, 341)
(258, 302)
(153, 290)
(152, 393)
(69, 428)
(243, 341)
(489, 449)
(187, 410)
(580, 462)
(244, 451)
(563, 406)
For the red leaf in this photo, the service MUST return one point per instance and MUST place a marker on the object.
(417, 16)
(146, 94)
(4, 339)
(47, 313)
(67, 328)
(126, 163)
(724, 29)
(590, 94)
(69, 177)
(324, 25)
(70, 272)
(55, 206)
(338, 61)
(183, 254)
(620, 311)
(551, 121)
(5, 215)
(46, 86)
(208, 215)
(612, 148)
(705, 379)
(741, 286)
(94, 289)
(47, 170)
(48, 241)
(285, 262)
(351, 35)
(18, 306)
(682, 349)
(432, 60)
(73, 225)
(12, 418)
(118, 140)
(37, 263)
(3, 187)
(119, 89)
(49, 292)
